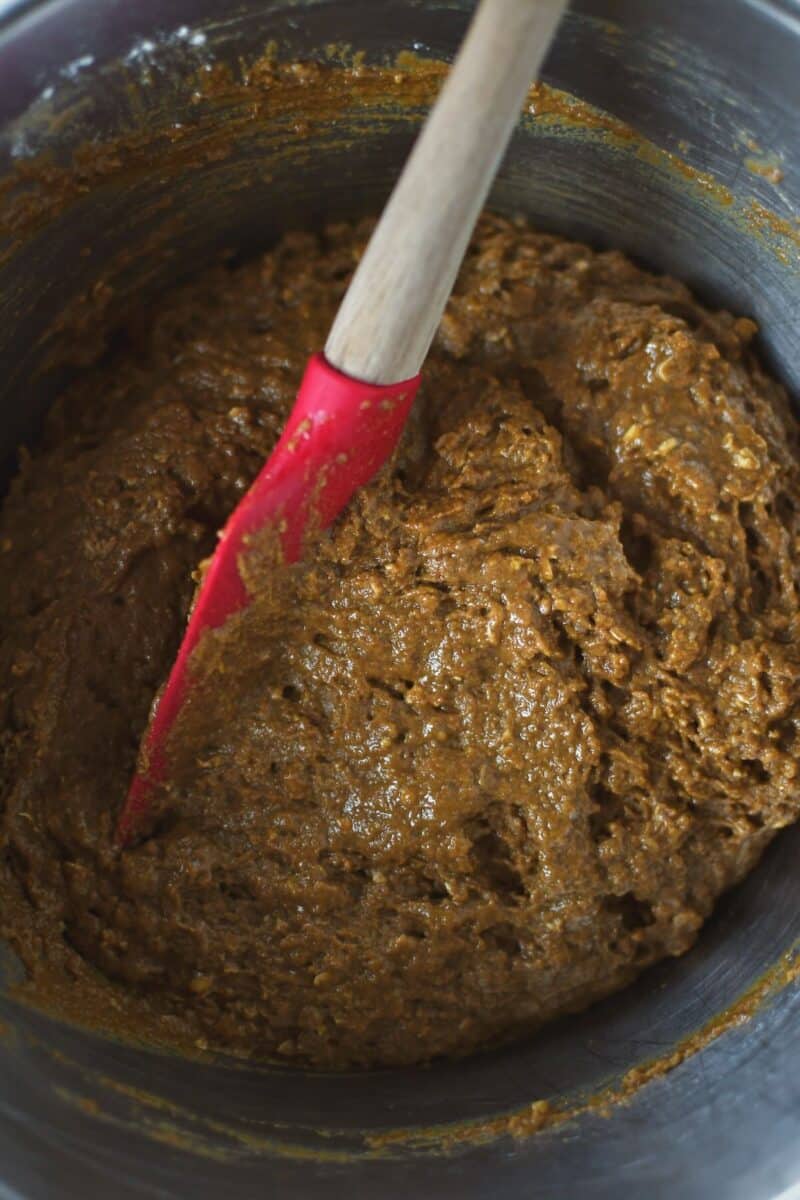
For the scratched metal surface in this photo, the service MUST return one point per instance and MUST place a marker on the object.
(81, 1116)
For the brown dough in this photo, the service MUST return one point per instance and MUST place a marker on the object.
(504, 738)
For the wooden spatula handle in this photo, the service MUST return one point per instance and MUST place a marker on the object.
(393, 306)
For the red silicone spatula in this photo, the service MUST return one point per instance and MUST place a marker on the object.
(351, 408)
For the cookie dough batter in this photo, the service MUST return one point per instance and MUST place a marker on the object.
(496, 746)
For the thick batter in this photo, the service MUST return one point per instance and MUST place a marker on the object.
(503, 739)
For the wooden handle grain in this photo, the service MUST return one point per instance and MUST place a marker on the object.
(395, 301)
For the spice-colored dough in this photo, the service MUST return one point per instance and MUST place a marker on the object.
(503, 739)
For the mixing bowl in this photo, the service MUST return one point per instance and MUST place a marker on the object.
(715, 83)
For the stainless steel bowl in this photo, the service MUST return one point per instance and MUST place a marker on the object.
(715, 81)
